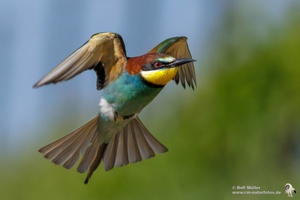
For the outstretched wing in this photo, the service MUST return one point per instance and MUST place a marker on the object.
(178, 48)
(104, 52)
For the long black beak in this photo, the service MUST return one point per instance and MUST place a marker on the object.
(181, 61)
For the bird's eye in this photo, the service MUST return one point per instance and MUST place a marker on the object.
(157, 64)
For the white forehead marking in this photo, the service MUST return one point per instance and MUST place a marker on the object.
(168, 59)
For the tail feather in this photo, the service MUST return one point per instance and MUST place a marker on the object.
(152, 141)
(70, 154)
(96, 161)
(73, 139)
(110, 154)
(133, 149)
(130, 145)
(143, 145)
(122, 150)
(89, 155)
(79, 146)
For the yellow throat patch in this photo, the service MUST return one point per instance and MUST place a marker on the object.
(160, 76)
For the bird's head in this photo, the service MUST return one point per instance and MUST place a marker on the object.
(157, 69)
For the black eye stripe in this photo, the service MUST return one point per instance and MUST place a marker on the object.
(147, 67)
(159, 63)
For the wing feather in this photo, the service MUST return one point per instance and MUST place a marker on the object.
(178, 48)
(105, 48)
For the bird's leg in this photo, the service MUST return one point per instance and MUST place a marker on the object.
(118, 117)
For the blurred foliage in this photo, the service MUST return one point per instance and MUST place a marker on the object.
(240, 127)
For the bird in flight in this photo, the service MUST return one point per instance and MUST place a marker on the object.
(116, 136)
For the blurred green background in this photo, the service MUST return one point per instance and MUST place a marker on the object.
(239, 127)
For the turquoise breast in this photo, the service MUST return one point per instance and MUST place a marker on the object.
(129, 94)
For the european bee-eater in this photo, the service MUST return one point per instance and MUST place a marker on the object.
(116, 136)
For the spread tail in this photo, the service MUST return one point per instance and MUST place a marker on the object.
(130, 145)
